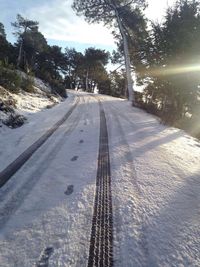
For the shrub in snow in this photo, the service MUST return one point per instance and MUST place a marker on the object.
(14, 120)
(50, 106)
(9, 79)
(42, 86)
(6, 107)
(58, 88)
(27, 84)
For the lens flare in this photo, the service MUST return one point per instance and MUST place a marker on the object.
(178, 69)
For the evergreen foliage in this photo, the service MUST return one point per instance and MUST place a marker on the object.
(113, 13)
(165, 58)
(118, 84)
(32, 55)
(171, 65)
(9, 79)
(27, 84)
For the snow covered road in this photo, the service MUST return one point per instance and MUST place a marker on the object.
(37, 209)
(12, 168)
(156, 190)
(46, 208)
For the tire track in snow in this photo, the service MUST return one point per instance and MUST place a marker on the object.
(16, 199)
(124, 217)
(101, 242)
(12, 168)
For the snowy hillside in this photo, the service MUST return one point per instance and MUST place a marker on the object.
(38, 83)
(24, 104)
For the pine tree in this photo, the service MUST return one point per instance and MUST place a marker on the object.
(172, 62)
(109, 12)
(6, 49)
(2, 31)
(21, 26)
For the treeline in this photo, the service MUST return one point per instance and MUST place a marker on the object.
(165, 57)
(166, 60)
(169, 67)
(61, 69)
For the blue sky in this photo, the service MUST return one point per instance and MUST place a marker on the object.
(10, 8)
(60, 25)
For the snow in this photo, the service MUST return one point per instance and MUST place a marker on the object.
(34, 106)
(36, 194)
(28, 103)
(14, 142)
(41, 85)
(25, 103)
(38, 83)
(155, 188)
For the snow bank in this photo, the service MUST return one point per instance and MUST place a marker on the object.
(41, 85)
(24, 103)
(14, 142)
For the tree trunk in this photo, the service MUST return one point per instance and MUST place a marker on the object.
(127, 58)
(19, 59)
(20, 49)
(86, 81)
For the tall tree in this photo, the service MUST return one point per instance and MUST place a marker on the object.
(135, 26)
(95, 59)
(75, 66)
(50, 62)
(2, 31)
(172, 71)
(118, 83)
(33, 44)
(21, 26)
(57, 59)
(3, 42)
(86, 69)
(109, 11)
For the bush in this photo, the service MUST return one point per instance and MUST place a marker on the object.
(10, 80)
(149, 107)
(14, 120)
(5, 106)
(27, 84)
(57, 85)
(59, 88)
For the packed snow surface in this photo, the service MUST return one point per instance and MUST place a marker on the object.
(46, 208)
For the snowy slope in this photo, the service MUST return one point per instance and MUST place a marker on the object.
(38, 83)
(46, 208)
(25, 103)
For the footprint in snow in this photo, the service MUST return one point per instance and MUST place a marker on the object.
(70, 190)
(81, 131)
(74, 158)
(44, 260)
(81, 141)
